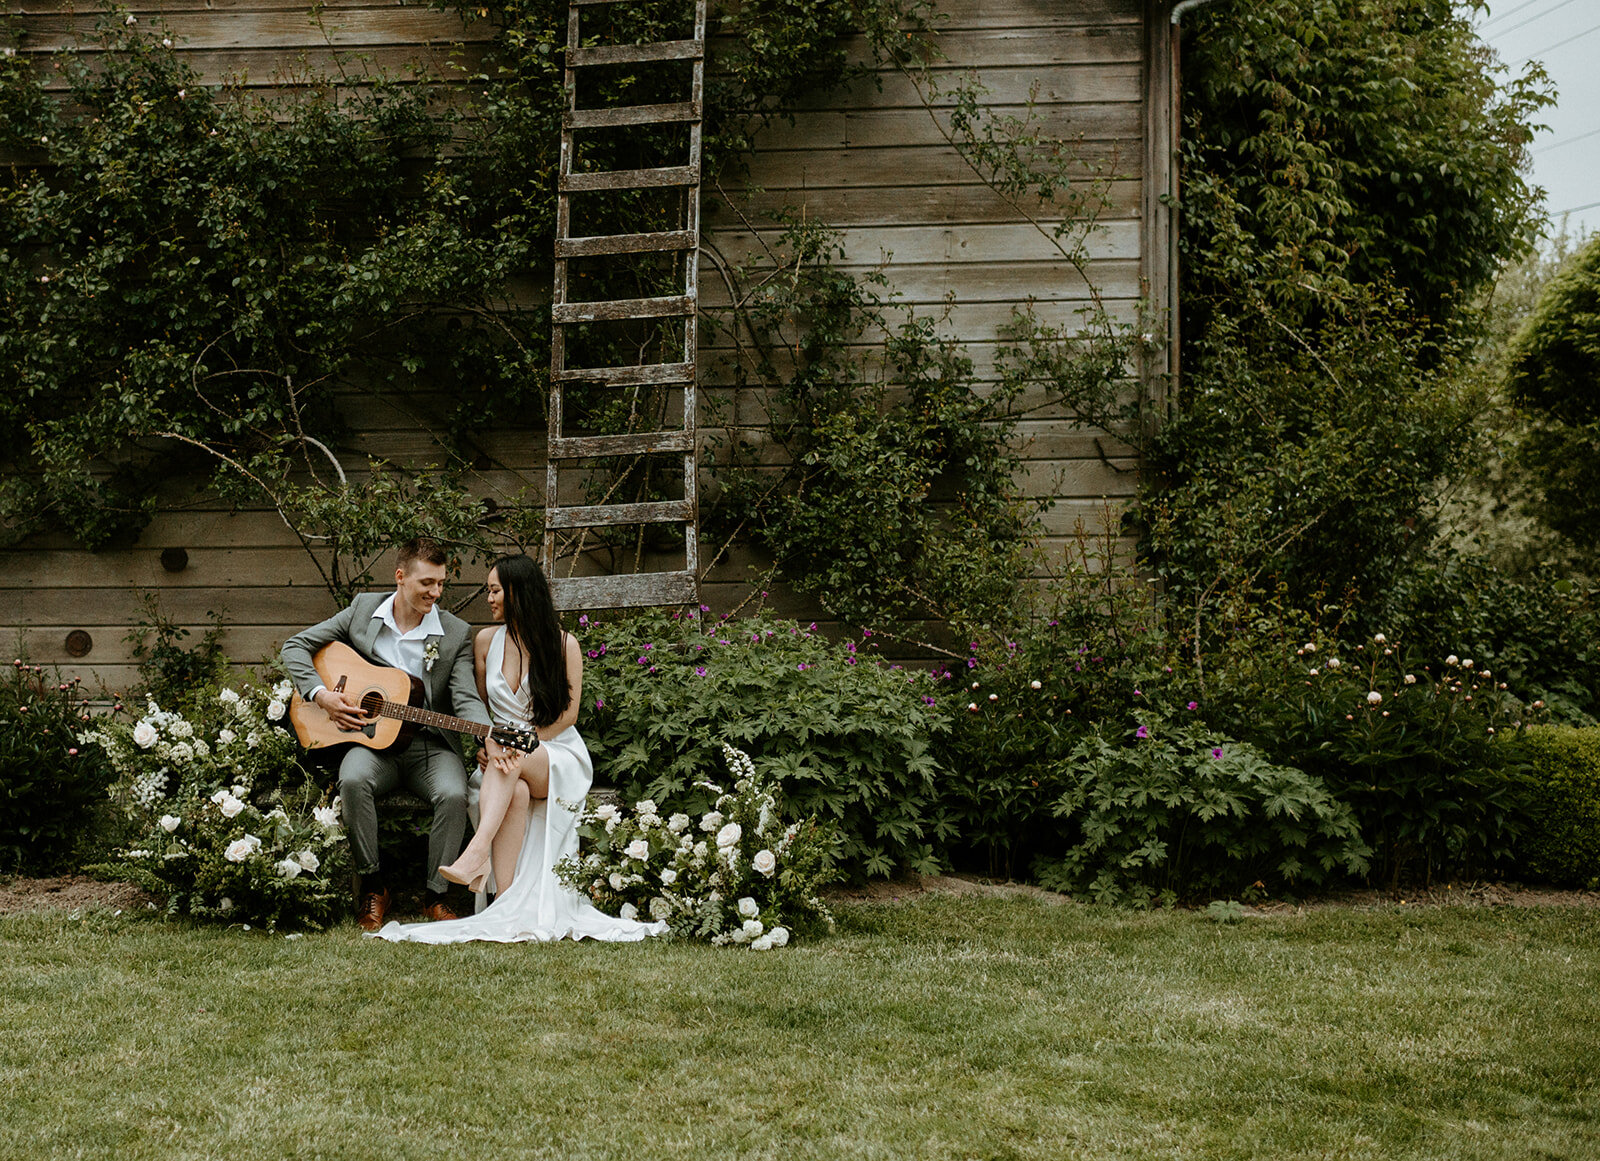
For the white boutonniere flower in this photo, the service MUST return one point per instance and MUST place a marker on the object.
(430, 654)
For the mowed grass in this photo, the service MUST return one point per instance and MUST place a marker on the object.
(944, 1027)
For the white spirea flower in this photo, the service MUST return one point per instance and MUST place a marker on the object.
(308, 860)
(325, 815)
(729, 835)
(629, 911)
(637, 849)
(668, 877)
(230, 806)
(748, 908)
(710, 821)
(645, 806)
(678, 823)
(289, 869)
(170, 822)
(226, 737)
(275, 710)
(1374, 697)
(766, 862)
(182, 729)
(144, 735)
(700, 850)
(201, 750)
(779, 936)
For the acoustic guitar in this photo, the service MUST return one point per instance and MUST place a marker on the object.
(392, 700)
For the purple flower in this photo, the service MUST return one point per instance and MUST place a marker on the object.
(866, 632)
(599, 703)
(1194, 705)
(644, 661)
(707, 608)
(699, 670)
(972, 663)
(801, 666)
(593, 654)
(583, 619)
(1142, 732)
(1216, 752)
(649, 647)
(1138, 693)
(849, 660)
(811, 628)
(926, 700)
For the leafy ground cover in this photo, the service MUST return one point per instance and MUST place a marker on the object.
(1017, 1026)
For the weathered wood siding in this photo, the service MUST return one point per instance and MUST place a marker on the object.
(869, 160)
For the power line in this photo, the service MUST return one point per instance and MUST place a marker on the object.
(1564, 141)
(1508, 12)
(1532, 19)
(1575, 209)
(1560, 43)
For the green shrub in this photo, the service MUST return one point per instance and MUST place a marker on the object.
(50, 784)
(1563, 841)
(843, 736)
(1174, 810)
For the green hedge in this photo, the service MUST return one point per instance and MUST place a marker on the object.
(1563, 844)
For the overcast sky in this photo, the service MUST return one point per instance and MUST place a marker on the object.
(1565, 35)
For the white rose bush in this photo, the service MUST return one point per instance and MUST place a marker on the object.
(225, 822)
(739, 875)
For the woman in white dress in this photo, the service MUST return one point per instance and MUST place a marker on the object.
(530, 672)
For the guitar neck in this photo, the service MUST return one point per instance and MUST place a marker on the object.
(427, 717)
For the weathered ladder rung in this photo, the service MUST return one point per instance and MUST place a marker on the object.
(645, 373)
(630, 178)
(625, 243)
(608, 515)
(628, 591)
(635, 443)
(672, 306)
(607, 54)
(631, 115)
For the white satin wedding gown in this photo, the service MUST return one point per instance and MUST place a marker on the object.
(537, 905)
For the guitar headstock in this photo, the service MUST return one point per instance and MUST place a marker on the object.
(517, 738)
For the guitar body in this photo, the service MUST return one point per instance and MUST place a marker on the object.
(343, 669)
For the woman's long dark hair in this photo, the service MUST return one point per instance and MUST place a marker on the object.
(534, 630)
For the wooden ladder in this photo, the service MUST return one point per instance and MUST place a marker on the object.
(639, 588)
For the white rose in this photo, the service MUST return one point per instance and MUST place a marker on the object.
(326, 815)
(762, 944)
(678, 823)
(239, 850)
(1452, 659)
(752, 928)
(660, 908)
(289, 869)
(668, 877)
(629, 911)
(219, 796)
(710, 821)
(1380, 638)
(225, 905)
(228, 697)
(144, 735)
(616, 881)
(252, 740)
(729, 835)
(766, 862)
(230, 806)
(606, 812)
(748, 908)
(275, 710)
(308, 860)
(779, 936)
(170, 822)
(282, 690)
(225, 737)
(637, 849)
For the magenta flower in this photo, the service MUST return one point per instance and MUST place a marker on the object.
(972, 663)
(707, 608)
(599, 703)
(1138, 693)
(583, 619)
(801, 666)
(699, 670)
(1142, 732)
(644, 661)
(1216, 752)
(1194, 705)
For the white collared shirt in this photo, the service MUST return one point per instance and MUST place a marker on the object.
(404, 650)
(401, 650)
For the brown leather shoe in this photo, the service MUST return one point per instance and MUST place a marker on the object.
(374, 907)
(439, 912)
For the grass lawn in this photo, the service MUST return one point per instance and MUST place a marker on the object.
(948, 1026)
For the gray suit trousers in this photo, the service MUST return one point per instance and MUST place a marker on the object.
(429, 769)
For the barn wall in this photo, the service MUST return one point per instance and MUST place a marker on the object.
(869, 160)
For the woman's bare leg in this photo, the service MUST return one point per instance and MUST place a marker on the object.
(507, 844)
(494, 798)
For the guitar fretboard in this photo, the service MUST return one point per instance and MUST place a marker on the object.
(427, 717)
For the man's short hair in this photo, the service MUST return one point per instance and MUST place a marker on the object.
(423, 548)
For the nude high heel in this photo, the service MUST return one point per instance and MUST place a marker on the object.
(473, 880)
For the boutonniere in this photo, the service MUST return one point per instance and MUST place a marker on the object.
(430, 654)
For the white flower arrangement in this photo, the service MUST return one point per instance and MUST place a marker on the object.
(430, 654)
(748, 883)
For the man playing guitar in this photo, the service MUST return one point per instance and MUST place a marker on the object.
(407, 631)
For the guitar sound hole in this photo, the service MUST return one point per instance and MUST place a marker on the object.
(372, 703)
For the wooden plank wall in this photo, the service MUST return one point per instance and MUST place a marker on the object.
(869, 160)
